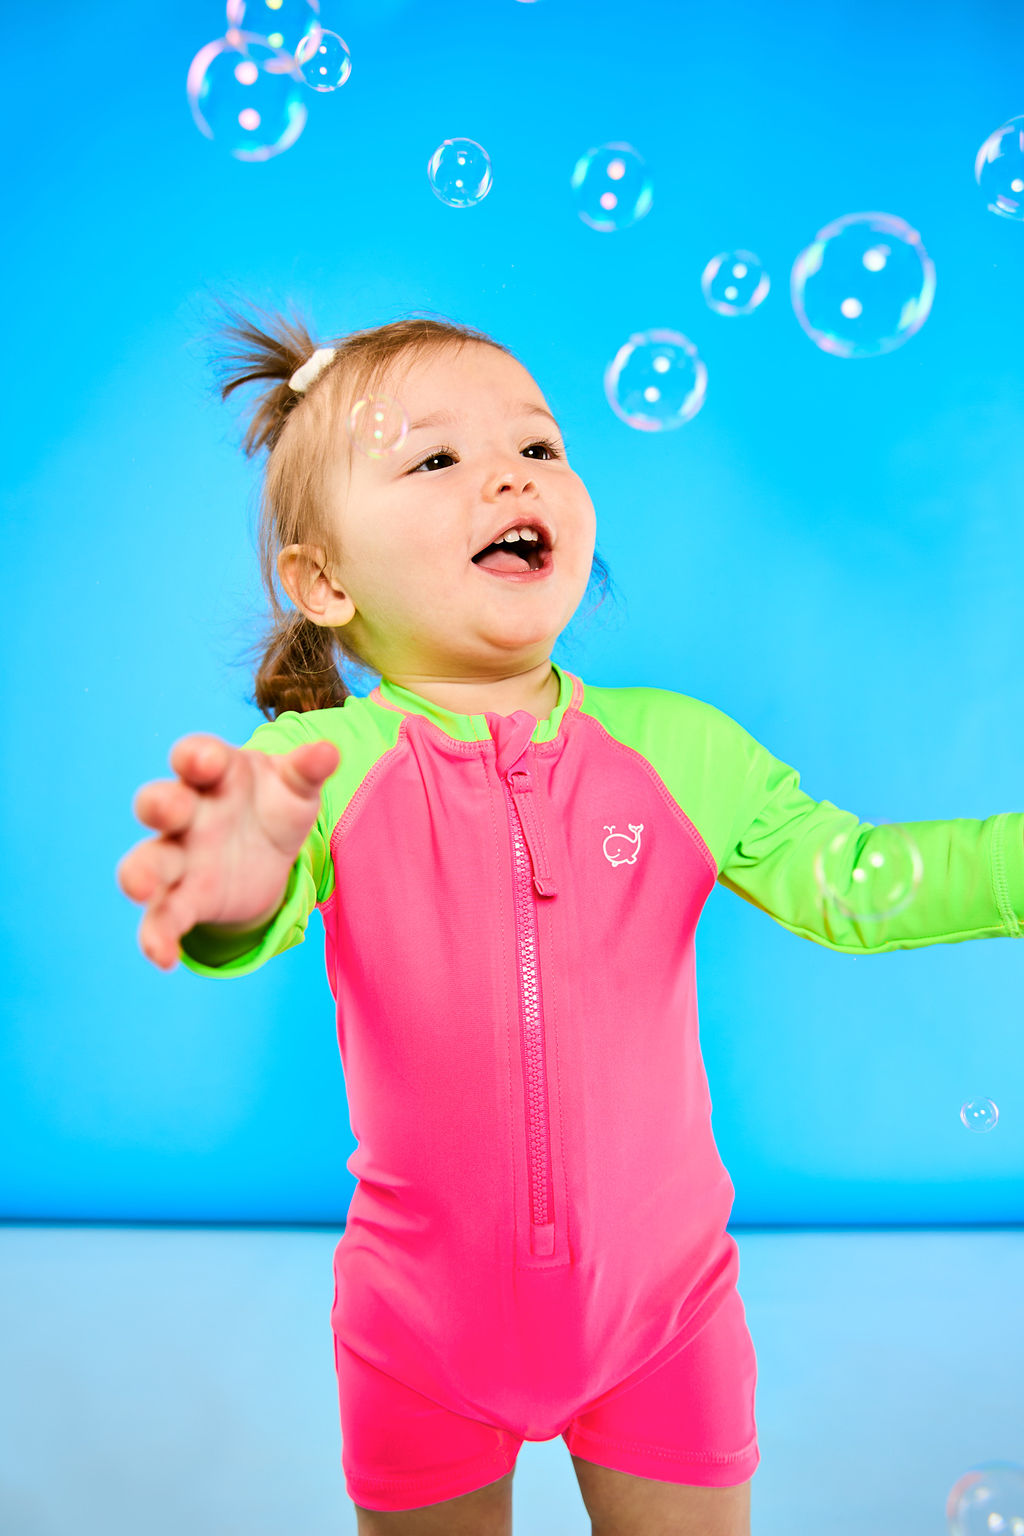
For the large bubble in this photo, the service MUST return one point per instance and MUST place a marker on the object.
(656, 381)
(988, 1500)
(864, 285)
(999, 169)
(247, 96)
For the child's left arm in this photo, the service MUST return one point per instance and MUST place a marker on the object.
(849, 885)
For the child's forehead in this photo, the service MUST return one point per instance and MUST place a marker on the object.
(421, 378)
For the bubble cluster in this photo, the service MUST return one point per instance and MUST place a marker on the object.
(611, 187)
(656, 381)
(863, 286)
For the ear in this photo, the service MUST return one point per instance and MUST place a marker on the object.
(303, 574)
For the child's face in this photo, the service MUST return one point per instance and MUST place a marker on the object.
(408, 525)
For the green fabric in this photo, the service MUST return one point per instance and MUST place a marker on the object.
(762, 831)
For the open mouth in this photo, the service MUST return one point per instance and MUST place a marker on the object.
(515, 556)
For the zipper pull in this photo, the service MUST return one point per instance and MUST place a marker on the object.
(521, 785)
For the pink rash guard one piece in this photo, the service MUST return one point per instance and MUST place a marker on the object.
(510, 908)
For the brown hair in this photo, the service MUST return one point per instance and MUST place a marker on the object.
(298, 660)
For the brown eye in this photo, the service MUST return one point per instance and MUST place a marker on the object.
(449, 453)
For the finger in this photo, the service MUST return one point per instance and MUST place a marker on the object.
(165, 920)
(166, 805)
(149, 867)
(200, 759)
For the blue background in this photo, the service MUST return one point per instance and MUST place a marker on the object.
(829, 552)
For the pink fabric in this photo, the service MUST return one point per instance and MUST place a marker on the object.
(690, 1421)
(540, 1210)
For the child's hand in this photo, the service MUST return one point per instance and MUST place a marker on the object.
(232, 825)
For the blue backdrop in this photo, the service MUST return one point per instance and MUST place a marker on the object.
(830, 551)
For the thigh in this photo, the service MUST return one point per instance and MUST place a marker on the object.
(401, 1451)
(620, 1504)
(690, 1422)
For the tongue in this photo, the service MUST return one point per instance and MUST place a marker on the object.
(501, 560)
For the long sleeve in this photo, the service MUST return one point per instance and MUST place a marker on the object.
(968, 884)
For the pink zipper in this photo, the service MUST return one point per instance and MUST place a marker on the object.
(528, 845)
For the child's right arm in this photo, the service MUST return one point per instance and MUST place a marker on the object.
(231, 828)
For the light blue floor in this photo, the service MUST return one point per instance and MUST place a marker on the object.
(180, 1382)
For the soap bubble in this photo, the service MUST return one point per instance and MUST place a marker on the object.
(999, 169)
(869, 876)
(377, 425)
(864, 286)
(980, 1115)
(324, 60)
(284, 23)
(460, 172)
(246, 95)
(656, 381)
(734, 283)
(986, 1500)
(612, 187)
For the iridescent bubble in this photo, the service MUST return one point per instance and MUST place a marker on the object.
(284, 23)
(656, 381)
(864, 286)
(247, 96)
(377, 425)
(460, 172)
(999, 169)
(869, 876)
(324, 61)
(980, 1115)
(612, 187)
(734, 283)
(986, 1500)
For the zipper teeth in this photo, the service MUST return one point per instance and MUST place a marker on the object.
(535, 1075)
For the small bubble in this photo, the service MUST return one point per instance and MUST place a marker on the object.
(459, 172)
(980, 1115)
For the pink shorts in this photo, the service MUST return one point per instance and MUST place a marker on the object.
(691, 1421)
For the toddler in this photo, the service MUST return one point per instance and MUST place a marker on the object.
(510, 866)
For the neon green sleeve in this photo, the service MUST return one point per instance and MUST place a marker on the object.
(310, 881)
(970, 877)
(764, 834)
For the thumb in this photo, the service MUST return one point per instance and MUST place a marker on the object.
(308, 766)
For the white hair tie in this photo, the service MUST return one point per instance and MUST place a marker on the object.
(310, 371)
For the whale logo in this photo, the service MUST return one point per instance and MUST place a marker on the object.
(620, 849)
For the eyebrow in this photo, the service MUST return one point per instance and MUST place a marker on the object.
(523, 408)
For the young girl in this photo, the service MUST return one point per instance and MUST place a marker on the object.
(510, 866)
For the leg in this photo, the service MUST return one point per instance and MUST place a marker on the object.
(409, 1462)
(673, 1454)
(620, 1504)
(486, 1512)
